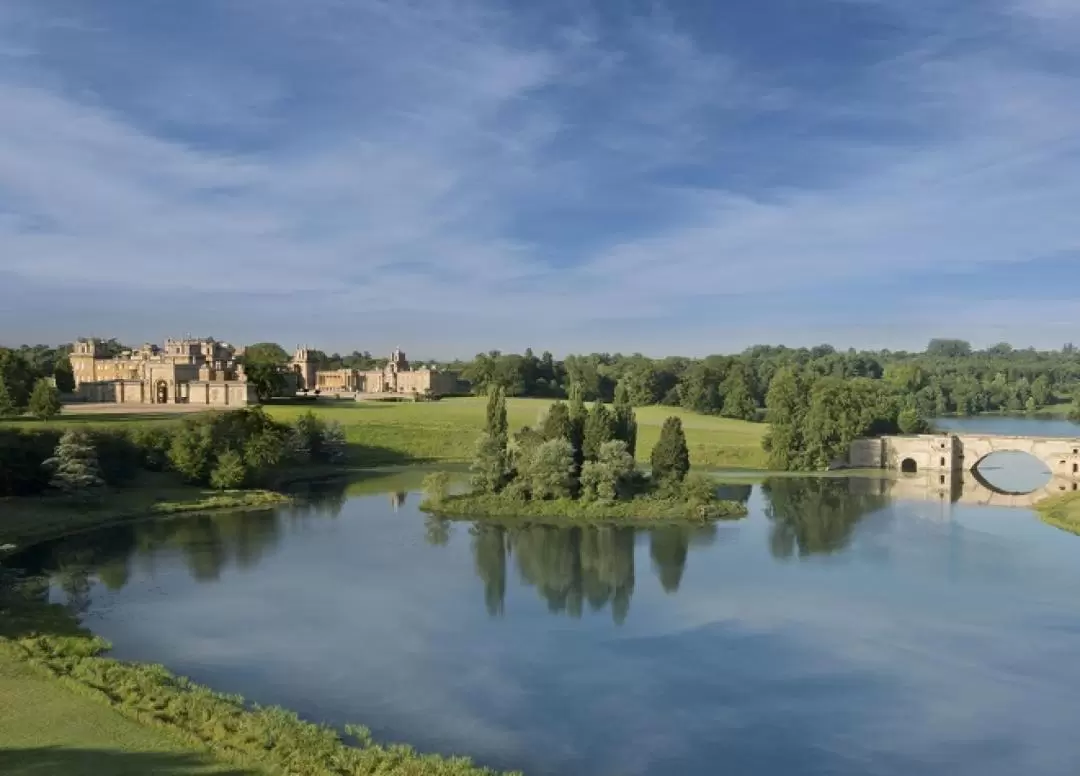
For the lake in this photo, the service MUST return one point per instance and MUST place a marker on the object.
(835, 630)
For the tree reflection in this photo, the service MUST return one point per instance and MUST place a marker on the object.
(815, 515)
(490, 549)
(437, 530)
(208, 544)
(569, 567)
(668, 547)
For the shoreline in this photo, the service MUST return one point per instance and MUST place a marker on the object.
(223, 727)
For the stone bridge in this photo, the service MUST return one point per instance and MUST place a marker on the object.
(948, 464)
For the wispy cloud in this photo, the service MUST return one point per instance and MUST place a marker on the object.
(511, 175)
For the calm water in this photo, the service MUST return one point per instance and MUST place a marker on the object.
(833, 631)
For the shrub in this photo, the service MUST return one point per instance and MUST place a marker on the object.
(698, 490)
(490, 468)
(334, 447)
(609, 477)
(152, 443)
(229, 472)
(437, 486)
(191, 453)
(551, 470)
(21, 456)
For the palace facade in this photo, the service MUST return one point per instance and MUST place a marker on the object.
(186, 371)
(397, 377)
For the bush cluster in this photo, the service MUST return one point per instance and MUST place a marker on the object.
(224, 450)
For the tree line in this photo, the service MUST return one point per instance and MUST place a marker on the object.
(949, 376)
(223, 450)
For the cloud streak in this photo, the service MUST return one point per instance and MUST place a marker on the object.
(509, 176)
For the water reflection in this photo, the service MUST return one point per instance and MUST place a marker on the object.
(570, 568)
(816, 516)
(927, 634)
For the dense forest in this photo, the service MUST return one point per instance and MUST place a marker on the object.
(948, 377)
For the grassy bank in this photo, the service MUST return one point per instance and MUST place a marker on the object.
(575, 511)
(36, 518)
(79, 712)
(1061, 512)
(45, 728)
(387, 433)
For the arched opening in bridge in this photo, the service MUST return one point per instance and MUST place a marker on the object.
(909, 466)
(1012, 472)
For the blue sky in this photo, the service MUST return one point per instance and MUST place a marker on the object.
(457, 175)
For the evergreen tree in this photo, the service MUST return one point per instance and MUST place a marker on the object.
(44, 401)
(497, 425)
(74, 464)
(7, 404)
(64, 376)
(578, 416)
(556, 424)
(625, 421)
(670, 457)
(599, 428)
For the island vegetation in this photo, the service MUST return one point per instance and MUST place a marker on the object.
(578, 465)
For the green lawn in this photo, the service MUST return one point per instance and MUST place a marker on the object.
(47, 729)
(392, 432)
(386, 433)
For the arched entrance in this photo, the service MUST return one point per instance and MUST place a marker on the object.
(1011, 473)
(161, 392)
(909, 466)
